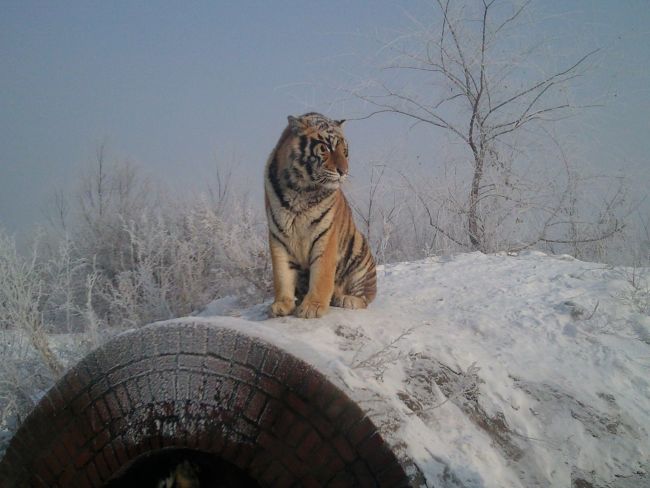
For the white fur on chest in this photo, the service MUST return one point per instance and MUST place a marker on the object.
(301, 230)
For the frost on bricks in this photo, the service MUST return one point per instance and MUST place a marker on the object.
(205, 388)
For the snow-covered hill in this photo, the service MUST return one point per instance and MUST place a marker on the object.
(491, 370)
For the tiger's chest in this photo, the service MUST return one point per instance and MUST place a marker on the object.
(304, 228)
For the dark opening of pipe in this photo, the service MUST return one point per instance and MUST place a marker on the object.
(181, 468)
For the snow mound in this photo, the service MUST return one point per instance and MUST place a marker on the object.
(490, 370)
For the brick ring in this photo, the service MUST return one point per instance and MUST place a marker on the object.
(242, 411)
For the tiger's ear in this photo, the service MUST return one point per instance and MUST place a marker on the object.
(295, 124)
(340, 122)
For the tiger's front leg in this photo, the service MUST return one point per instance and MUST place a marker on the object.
(284, 280)
(321, 280)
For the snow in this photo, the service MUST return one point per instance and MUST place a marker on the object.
(489, 370)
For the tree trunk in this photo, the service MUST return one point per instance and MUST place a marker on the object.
(475, 234)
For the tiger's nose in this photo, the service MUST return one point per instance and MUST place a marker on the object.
(340, 172)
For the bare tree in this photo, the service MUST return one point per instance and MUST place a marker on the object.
(110, 195)
(459, 74)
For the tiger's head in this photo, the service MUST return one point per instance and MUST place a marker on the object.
(317, 151)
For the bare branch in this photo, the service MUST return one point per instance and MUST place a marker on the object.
(618, 227)
(468, 75)
(540, 84)
(512, 17)
(432, 222)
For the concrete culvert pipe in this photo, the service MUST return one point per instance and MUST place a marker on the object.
(201, 403)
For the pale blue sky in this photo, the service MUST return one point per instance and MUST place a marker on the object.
(169, 84)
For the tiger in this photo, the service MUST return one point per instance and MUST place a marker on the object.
(318, 255)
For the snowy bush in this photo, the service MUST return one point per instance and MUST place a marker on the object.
(183, 259)
(123, 254)
(24, 292)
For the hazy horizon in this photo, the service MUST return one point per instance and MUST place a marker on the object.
(173, 88)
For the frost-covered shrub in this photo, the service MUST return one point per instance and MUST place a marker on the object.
(24, 293)
(184, 258)
(133, 255)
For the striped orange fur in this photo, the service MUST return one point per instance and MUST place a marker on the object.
(319, 257)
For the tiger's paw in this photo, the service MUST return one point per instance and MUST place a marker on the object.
(310, 309)
(280, 308)
(349, 301)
